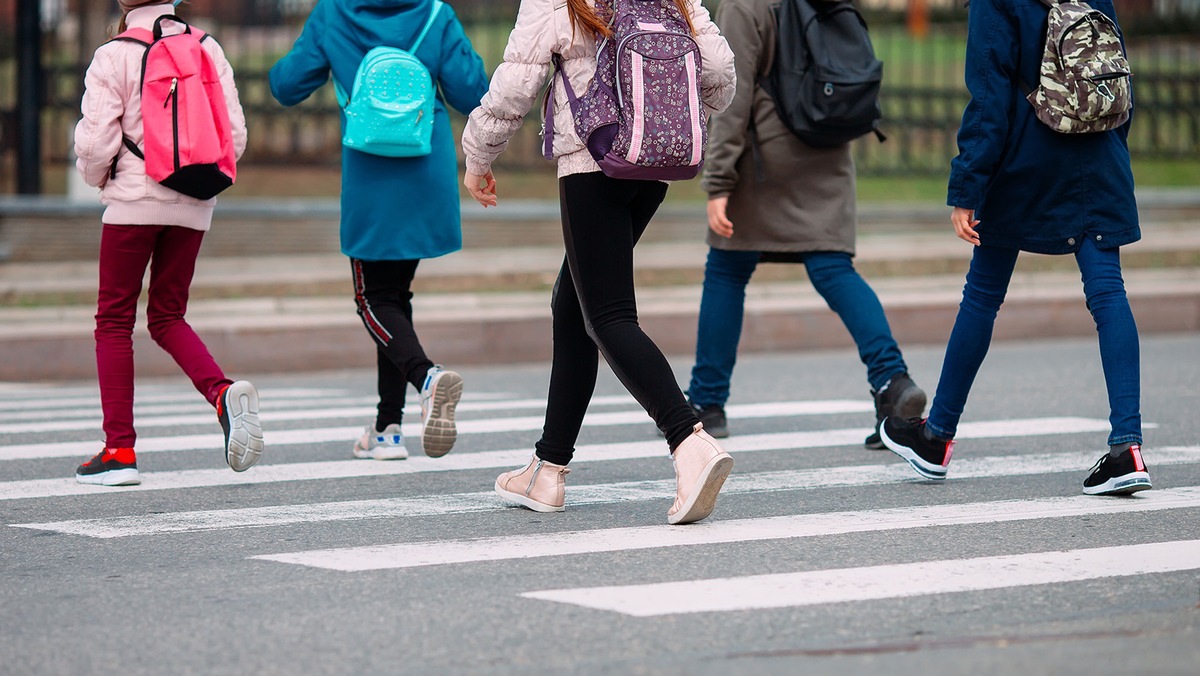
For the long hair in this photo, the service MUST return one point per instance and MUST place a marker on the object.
(580, 13)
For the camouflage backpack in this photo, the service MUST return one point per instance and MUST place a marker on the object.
(1084, 82)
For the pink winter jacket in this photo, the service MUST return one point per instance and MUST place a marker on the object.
(544, 28)
(112, 108)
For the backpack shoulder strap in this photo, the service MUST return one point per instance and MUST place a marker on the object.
(139, 35)
(343, 98)
(437, 6)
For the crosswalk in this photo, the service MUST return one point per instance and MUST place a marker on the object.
(40, 429)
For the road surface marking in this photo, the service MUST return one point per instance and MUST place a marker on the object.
(789, 590)
(577, 496)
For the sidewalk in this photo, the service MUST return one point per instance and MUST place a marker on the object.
(491, 304)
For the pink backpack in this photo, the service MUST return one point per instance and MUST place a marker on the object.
(188, 145)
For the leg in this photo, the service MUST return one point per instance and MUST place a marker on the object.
(125, 251)
(1104, 288)
(171, 272)
(572, 374)
(987, 283)
(602, 219)
(382, 291)
(848, 294)
(719, 329)
(392, 387)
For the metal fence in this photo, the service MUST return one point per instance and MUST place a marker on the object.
(922, 98)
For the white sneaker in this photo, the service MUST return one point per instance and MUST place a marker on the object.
(385, 445)
(439, 396)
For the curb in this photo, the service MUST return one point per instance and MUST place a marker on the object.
(277, 335)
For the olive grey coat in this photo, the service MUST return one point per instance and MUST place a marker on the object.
(805, 200)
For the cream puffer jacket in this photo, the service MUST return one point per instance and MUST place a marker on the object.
(112, 108)
(543, 28)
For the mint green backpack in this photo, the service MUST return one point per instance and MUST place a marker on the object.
(389, 111)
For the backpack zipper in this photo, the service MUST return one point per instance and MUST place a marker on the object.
(173, 97)
(617, 59)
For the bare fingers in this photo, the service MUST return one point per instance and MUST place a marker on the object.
(964, 225)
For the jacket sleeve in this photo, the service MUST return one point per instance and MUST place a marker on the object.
(462, 77)
(237, 117)
(991, 75)
(98, 135)
(717, 79)
(515, 86)
(303, 69)
(727, 135)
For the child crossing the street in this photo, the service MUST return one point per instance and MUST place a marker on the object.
(156, 214)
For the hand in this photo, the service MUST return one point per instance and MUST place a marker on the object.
(964, 225)
(717, 221)
(482, 188)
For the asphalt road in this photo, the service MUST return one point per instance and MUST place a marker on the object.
(821, 557)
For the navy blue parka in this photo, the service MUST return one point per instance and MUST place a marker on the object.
(1032, 188)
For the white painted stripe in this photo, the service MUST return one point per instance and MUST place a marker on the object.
(413, 430)
(577, 496)
(271, 473)
(789, 590)
(92, 400)
(508, 547)
(269, 416)
(90, 418)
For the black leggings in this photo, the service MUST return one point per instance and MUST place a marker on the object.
(594, 306)
(382, 291)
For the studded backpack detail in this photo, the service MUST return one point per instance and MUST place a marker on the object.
(1084, 82)
(641, 116)
(389, 111)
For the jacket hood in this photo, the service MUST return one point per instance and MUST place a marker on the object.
(386, 4)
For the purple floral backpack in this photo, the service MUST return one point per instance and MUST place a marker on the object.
(641, 117)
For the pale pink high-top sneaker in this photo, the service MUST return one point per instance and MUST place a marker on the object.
(701, 467)
(540, 485)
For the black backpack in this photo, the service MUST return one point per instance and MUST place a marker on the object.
(825, 79)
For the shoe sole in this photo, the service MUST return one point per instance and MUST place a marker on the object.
(525, 501)
(704, 492)
(874, 442)
(1122, 485)
(935, 472)
(245, 431)
(439, 431)
(382, 453)
(116, 477)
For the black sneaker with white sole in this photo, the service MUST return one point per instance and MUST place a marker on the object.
(237, 410)
(1125, 475)
(110, 467)
(899, 398)
(906, 438)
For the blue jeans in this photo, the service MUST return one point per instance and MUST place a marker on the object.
(723, 306)
(1103, 287)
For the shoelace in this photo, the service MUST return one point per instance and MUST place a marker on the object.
(1103, 459)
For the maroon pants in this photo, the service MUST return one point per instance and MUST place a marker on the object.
(125, 250)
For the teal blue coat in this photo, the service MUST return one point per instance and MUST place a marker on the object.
(392, 208)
